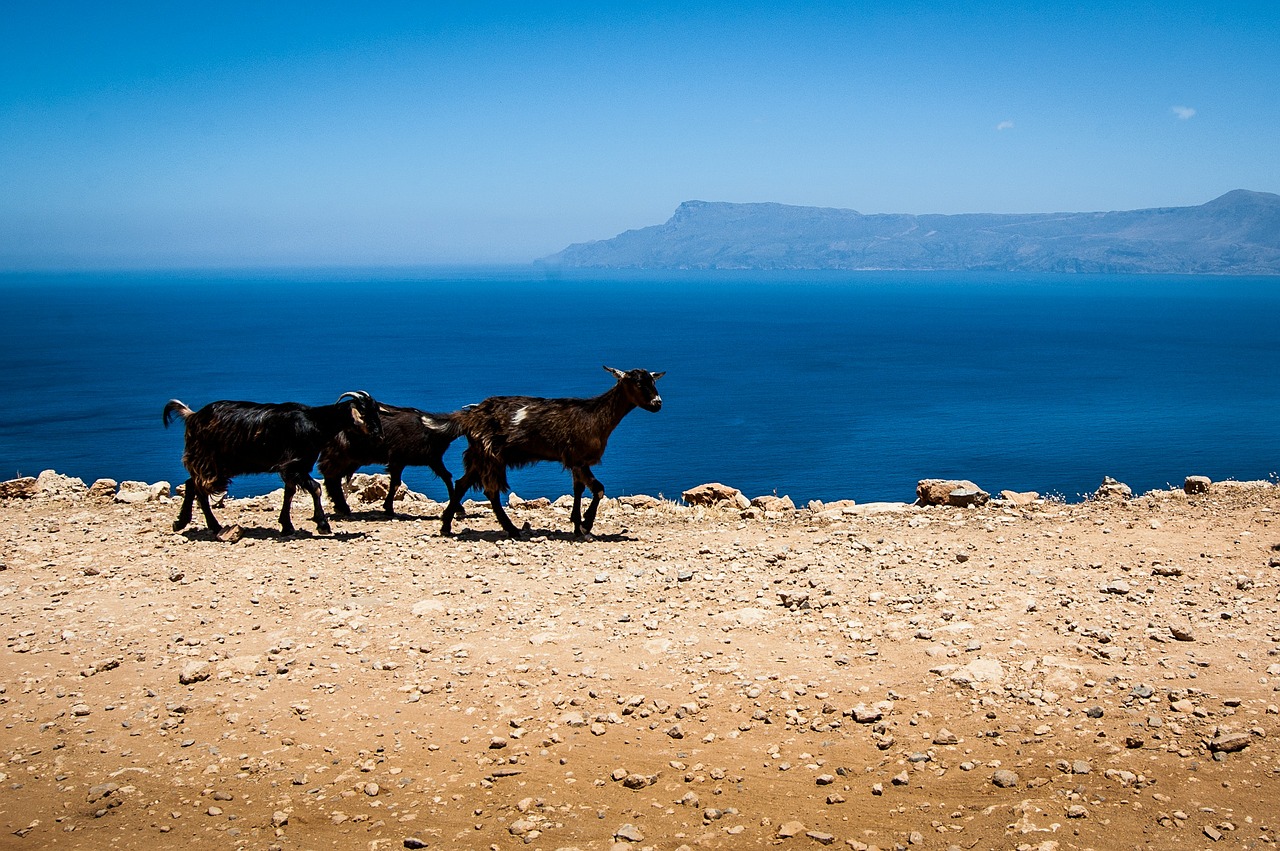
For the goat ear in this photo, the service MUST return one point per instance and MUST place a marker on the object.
(355, 415)
(657, 375)
(616, 373)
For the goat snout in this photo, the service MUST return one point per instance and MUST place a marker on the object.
(655, 404)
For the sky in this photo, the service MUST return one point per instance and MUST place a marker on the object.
(162, 135)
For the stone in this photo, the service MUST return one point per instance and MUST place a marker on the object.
(1019, 498)
(979, 671)
(1181, 633)
(1196, 484)
(1229, 742)
(635, 781)
(103, 488)
(1004, 778)
(960, 493)
(774, 503)
(195, 672)
(714, 493)
(131, 492)
(629, 833)
(101, 790)
(242, 666)
(21, 488)
(1112, 489)
(639, 501)
(788, 829)
(794, 599)
(864, 714)
(50, 483)
(373, 487)
(945, 737)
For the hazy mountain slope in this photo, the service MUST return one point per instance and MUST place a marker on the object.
(1238, 233)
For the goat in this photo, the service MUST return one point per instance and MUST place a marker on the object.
(514, 431)
(409, 438)
(225, 439)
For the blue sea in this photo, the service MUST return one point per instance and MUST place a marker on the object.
(817, 385)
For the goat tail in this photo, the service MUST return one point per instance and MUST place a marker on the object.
(175, 407)
(450, 426)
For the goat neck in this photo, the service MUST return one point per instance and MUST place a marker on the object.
(612, 405)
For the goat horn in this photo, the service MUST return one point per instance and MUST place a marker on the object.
(354, 394)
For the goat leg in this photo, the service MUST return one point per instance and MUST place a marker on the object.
(455, 502)
(395, 471)
(205, 508)
(437, 466)
(597, 491)
(322, 522)
(333, 486)
(495, 499)
(578, 487)
(184, 513)
(286, 525)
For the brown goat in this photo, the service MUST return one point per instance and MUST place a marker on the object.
(225, 439)
(410, 437)
(515, 431)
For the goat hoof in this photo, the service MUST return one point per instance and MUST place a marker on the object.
(179, 525)
(323, 528)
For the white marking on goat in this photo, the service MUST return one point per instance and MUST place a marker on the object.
(518, 416)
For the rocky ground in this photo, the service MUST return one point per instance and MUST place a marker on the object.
(1098, 675)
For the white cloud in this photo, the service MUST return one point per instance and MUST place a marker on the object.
(1183, 112)
(1005, 125)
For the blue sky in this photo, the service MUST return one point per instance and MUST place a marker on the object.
(217, 134)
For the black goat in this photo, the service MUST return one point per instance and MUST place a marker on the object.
(514, 431)
(410, 438)
(225, 439)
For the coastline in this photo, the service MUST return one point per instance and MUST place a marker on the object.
(693, 677)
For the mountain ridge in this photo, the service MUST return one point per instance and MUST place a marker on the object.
(1235, 233)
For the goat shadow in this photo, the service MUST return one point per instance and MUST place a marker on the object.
(374, 514)
(498, 535)
(262, 533)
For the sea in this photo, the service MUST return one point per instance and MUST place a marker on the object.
(816, 385)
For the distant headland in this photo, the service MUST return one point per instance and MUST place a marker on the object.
(1235, 234)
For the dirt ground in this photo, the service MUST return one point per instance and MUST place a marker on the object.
(1098, 675)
